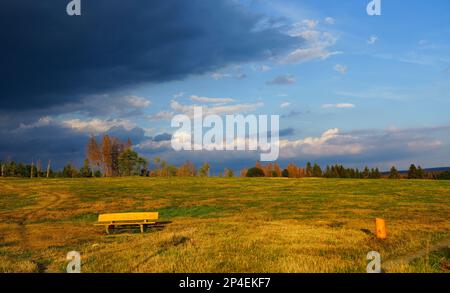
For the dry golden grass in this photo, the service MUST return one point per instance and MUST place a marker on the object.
(224, 224)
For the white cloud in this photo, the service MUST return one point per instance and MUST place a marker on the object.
(96, 125)
(386, 93)
(151, 145)
(285, 105)
(316, 43)
(218, 76)
(111, 106)
(211, 100)
(162, 115)
(262, 68)
(310, 23)
(340, 68)
(285, 79)
(308, 54)
(372, 40)
(329, 20)
(136, 102)
(338, 106)
(178, 95)
(330, 143)
(217, 109)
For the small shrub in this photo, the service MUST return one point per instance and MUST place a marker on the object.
(255, 172)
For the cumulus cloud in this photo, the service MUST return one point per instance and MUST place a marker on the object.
(285, 105)
(330, 143)
(96, 125)
(366, 145)
(285, 79)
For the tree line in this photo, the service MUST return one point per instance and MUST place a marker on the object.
(339, 171)
(110, 157)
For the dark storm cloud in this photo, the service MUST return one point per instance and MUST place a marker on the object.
(48, 58)
(55, 142)
(42, 143)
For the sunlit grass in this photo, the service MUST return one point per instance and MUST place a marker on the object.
(223, 224)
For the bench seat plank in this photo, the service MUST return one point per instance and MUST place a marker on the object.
(127, 219)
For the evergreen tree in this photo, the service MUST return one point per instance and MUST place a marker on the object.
(420, 173)
(412, 172)
(309, 170)
(376, 174)
(316, 171)
(366, 173)
(128, 162)
(393, 174)
(255, 172)
(69, 171)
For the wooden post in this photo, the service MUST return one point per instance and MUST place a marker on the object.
(380, 228)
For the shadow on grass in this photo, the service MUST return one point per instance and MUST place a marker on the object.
(135, 229)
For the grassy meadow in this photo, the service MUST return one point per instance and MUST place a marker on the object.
(226, 224)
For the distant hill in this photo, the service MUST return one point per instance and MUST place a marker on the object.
(430, 170)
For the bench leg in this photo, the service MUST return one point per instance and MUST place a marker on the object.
(107, 229)
(142, 228)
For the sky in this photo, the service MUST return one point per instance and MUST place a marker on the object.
(349, 88)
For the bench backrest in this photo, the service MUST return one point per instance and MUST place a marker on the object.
(118, 217)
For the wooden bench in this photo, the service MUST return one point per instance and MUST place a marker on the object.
(127, 219)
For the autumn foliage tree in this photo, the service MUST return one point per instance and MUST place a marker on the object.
(114, 157)
(93, 153)
(107, 161)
